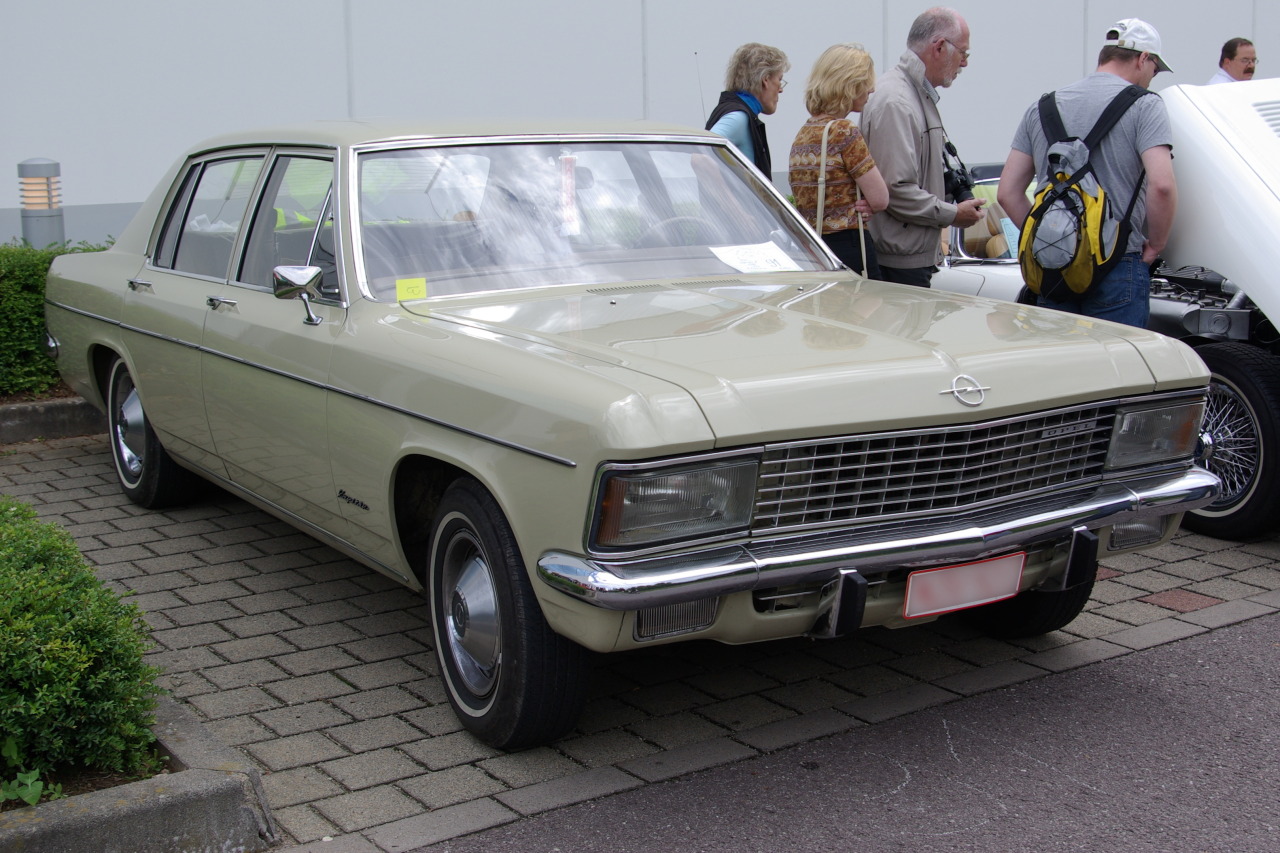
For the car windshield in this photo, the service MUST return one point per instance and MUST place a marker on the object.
(446, 220)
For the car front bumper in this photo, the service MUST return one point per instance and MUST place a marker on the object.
(666, 580)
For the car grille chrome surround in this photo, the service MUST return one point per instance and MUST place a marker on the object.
(884, 476)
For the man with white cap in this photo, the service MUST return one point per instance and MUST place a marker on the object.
(1135, 158)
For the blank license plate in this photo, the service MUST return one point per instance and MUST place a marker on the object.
(934, 591)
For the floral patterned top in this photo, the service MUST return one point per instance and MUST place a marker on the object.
(847, 160)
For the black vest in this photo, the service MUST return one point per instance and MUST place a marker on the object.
(730, 102)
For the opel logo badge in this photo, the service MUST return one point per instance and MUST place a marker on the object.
(967, 390)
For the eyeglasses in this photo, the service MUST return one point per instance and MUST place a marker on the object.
(1244, 61)
(782, 83)
(964, 54)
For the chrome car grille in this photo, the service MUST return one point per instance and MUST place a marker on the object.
(883, 476)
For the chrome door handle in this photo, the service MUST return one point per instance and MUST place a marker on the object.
(218, 301)
(135, 283)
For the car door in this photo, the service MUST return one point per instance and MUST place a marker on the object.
(265, 363)
(167, 303)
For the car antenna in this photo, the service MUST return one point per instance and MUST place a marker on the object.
(698, 73)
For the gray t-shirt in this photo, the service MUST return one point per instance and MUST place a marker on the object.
(1118, 160)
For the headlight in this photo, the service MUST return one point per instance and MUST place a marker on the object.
(641, 508)
(1144, 436)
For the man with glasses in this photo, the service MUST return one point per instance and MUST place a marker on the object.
(904, 133)
(1239, 61)
(1134, 158)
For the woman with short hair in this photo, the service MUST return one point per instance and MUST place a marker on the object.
(841, 80)
(752, 81)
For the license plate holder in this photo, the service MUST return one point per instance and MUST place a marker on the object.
(932, 592)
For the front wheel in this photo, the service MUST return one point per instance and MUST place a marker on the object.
(1242, 421)
(1031, 613)
(512, 681)
(147, 474)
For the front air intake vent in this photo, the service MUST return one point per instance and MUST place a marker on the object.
(1270, 112)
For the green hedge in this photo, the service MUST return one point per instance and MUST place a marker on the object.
(74, 690)
(24, 367)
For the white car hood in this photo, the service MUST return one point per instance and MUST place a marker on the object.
(800, 356)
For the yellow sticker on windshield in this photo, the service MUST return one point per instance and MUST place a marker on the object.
(410, 288)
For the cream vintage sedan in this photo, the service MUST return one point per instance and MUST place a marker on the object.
(596, 387)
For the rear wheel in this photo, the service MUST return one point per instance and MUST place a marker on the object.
(512, 681)
(1242, 420)
(147, 474)
(1031, 613)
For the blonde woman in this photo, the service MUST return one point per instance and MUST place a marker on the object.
(839, 84)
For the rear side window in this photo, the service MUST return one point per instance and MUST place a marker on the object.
(201, 228)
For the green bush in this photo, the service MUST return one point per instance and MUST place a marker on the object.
(24, 367)
(74, 690)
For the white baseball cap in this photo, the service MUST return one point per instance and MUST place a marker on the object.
(1135, 34)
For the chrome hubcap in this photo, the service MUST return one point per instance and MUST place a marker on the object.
(1237, 450)
(471, 626)
(130, 428)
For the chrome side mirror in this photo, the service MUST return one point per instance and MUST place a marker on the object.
(298, 283)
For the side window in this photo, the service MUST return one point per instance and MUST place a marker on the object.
(213, 216)
(292, 226)
(168, 244)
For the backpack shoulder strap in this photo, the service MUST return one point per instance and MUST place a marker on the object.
(1118, 107)
(1051, 119)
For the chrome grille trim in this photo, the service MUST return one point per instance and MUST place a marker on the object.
(911, 473)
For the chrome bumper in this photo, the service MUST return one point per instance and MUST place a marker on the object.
(656, 581)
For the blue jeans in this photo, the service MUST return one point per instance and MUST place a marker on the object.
(1122, 297)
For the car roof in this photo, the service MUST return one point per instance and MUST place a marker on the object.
(354, 133)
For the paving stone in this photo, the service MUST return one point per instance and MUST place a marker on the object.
(318, 636)
(244, 674)
(606, 713)
(1151, 581)
(195, 614)
(194, 635)
(745, 712)
(1195, 570)
(1269, 599)
(374, 734)
(300, 785)
(688, 759)
(273, 581)
(329, 611)
(353, 843)
(1113, 592)
(726, 684)
(452, 786)
(805, 727)
(929, 666)
(436, 720)
(372, 807)
(309, 717)
(237, 731)
(677, 730)
(265, 602)
(308, 688)
(184, 660)
(665, 699)
(450, 822)
(289, 752)
(568, 790)
(229, 703)
(312, 661)
(384, 648)
(870, 680)
(990, 677)
(1090, 624)
(1181, 600)
(304, 824)
(895, 703)
(606, 748)
(1133, 612)
(1155, 633)
(1225, 589)
(371, 676)
(369, 704)
(814, 694)
(1227, 613)
(371, 768)
(1263, 576)
(1237, 559)
(449, 750)
(255, 647)
(262, 623)
(529, 767)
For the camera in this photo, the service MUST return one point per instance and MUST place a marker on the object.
(956, 180)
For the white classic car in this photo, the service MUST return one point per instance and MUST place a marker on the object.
(597, 387)
(1212, 290)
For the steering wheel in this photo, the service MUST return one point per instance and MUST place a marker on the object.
(680, 231)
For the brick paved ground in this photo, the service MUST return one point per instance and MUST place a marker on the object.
(321, 670)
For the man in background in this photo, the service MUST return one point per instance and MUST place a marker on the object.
(904, 133)
(1238, 61)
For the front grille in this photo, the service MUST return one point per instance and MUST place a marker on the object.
(883, 476)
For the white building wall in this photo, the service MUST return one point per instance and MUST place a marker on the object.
(115, 92)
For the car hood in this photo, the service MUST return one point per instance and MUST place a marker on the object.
(799, 355)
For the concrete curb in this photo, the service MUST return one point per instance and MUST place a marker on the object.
(64, 417)
(211, 800)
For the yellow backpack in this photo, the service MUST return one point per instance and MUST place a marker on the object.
(1071, 238)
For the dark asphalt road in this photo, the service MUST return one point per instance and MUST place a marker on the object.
(1172, 749)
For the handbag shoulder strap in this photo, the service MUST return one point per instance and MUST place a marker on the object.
(822, 179)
